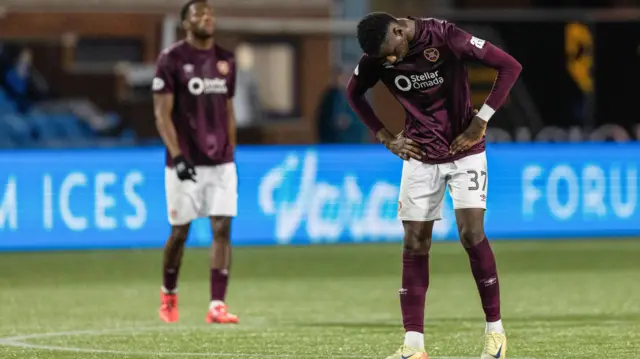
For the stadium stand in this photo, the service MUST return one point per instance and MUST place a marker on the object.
(52, 122)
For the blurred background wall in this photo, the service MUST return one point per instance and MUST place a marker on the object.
(75, 75)
(89, 66)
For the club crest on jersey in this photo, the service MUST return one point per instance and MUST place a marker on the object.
(223, 67)
(188, 69)
(432, 54)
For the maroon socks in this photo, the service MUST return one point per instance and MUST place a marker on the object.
(415, 281)
(170, 280)
(485, 273)
(219, 282)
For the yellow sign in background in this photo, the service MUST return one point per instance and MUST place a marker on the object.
(579, 55)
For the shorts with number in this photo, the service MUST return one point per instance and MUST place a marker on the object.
(215, 193)
(423, 187)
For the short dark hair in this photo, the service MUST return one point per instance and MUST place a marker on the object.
(372, 31)
(184, 11)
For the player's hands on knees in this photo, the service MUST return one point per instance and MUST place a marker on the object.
(404, 148)
(472, 135)
(184, 169)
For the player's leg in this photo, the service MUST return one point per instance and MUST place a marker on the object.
(421, 193)
(415, 279)
(469, 184)
(220, 267)
(173, 251)
(220, 258)
(485, 273)
(223, 207)
(482, 261)
(182, 209)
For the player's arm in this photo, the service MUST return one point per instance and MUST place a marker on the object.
(162, 109)
(232, 124)
(163, 99)
(364, 77)
(469, 47)
(232, 127)
(163, 95)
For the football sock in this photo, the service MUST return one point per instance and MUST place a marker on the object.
(170, 280)
(219, 281)
(485, 273)
(215, 303)
(415, 281)
(414, 340)
(494, 327)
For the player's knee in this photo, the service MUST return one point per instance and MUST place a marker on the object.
(221, 230)
(179, 235)
(417, 240)
(471, 235)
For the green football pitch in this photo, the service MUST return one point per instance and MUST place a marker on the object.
(560, 299)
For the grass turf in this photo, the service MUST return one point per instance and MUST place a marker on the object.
(560, 299)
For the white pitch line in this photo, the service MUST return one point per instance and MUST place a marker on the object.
(98, 332)
(181, 354)
(20, 342)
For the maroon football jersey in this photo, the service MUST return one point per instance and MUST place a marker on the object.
(202, 82)
(432, 85)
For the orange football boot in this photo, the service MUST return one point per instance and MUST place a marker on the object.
(169, 307)
(220, 314)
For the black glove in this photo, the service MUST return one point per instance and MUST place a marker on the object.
(184, 169)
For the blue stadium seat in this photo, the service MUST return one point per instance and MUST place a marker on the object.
(54, 130)
(85, 129)
(6, 104)
(3, 96)
(6, 141)
(17, 128)
(70, 126)
(151, 142)
(78, 126)
(113, 119)
(128, 134)
(46, 127)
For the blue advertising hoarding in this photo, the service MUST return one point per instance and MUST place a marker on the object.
(75, 199)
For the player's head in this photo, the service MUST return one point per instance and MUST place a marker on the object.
(198, 18)
(381, 35)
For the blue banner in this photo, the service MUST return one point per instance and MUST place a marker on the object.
(75, 199)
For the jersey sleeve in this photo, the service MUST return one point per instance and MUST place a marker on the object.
(364, 77)
(233, 75)
(463, 44)
(468, 47)
(164, 79)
